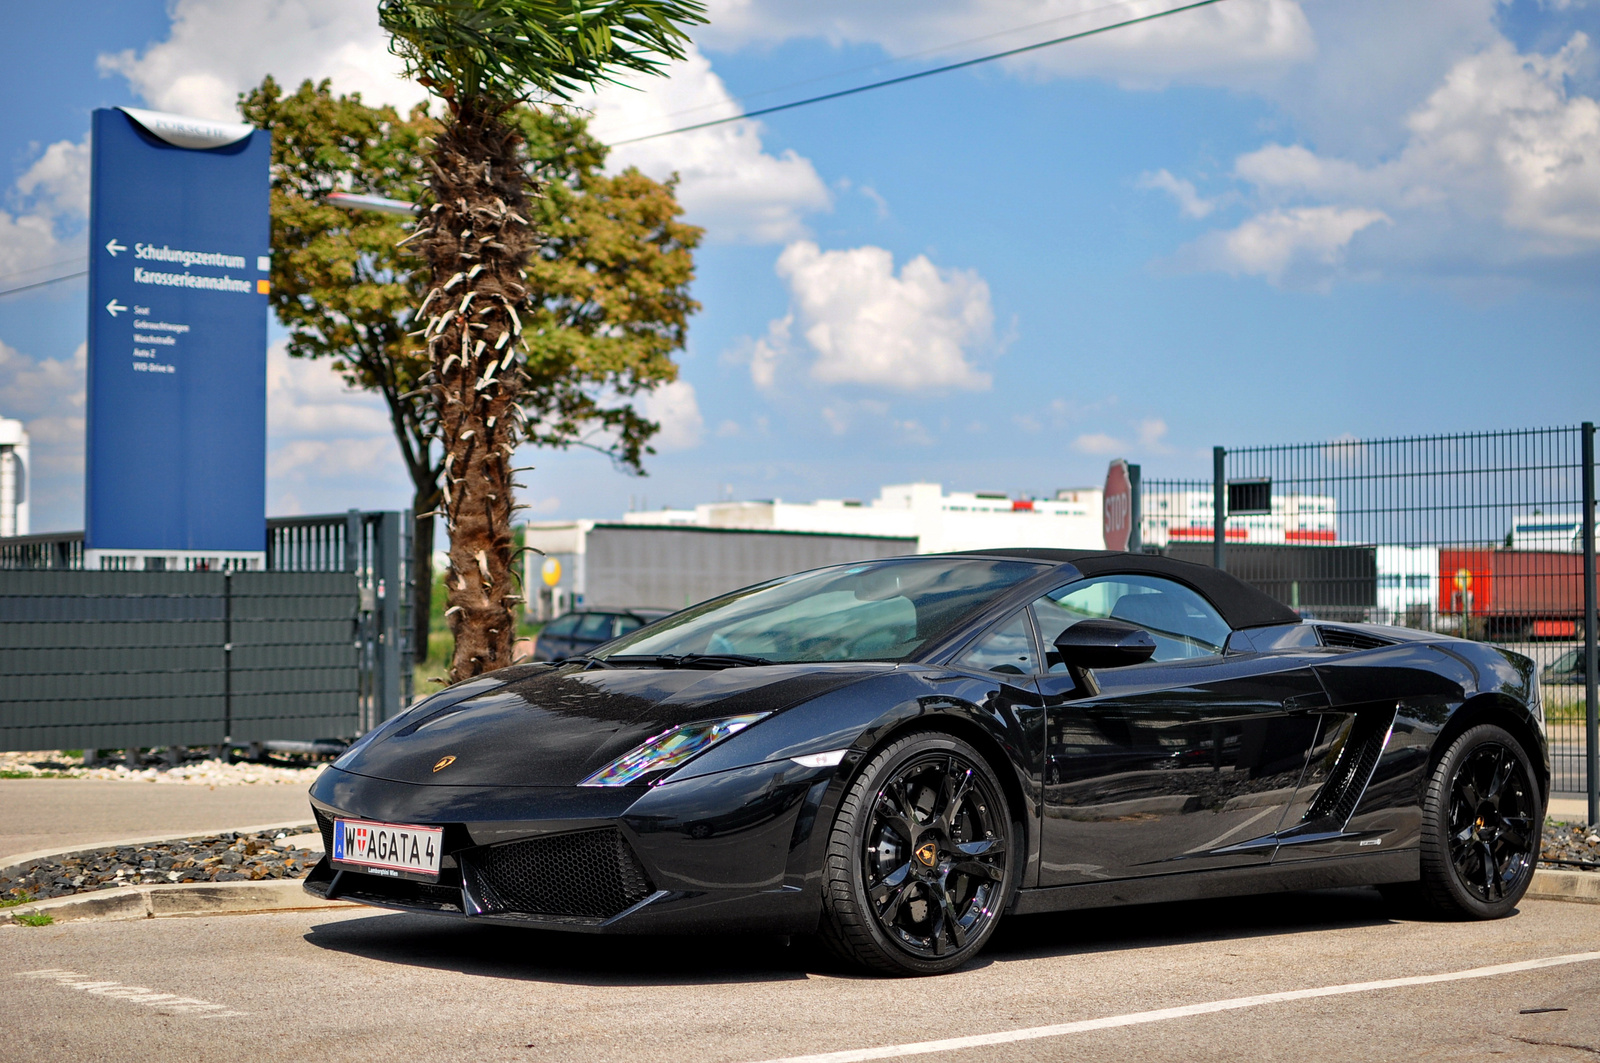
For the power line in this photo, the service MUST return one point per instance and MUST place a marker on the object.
(40, 269)
(946, 47)
(41, 284)
(921, 74)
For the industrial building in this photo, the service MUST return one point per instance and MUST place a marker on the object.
(592, 563)
(1185, 516)
(939, 522)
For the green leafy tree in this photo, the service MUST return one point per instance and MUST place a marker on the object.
(483, 60)
(605, 301)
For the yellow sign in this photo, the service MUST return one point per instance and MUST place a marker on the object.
(444, 762)
(928, 853)
(551, 571)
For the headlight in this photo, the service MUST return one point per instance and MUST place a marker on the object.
(669, 749)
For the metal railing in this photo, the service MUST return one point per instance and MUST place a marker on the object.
(376, 548)
(1488, 536)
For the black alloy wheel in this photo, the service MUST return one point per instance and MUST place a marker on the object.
(1482, 820)
(920, 861)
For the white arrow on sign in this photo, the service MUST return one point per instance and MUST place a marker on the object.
(114, 247)
(114, 308)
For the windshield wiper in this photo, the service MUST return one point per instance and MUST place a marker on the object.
(688, 660)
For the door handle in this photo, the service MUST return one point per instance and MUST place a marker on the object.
(1307, 704)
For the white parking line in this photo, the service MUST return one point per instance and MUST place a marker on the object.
(1034, 1033)
(166, 1003)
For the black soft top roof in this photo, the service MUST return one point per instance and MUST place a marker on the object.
(1240, 604)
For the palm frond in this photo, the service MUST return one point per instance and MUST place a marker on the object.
(507, 50)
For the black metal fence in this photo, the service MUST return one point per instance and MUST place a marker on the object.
(1488, 536)
(112, 660)
(375, 548)
(317, 646)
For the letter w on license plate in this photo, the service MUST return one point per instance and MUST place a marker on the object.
(388, 849)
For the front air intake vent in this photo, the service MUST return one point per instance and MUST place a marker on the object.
(1344, 638)
(589, 874)
(325, 828)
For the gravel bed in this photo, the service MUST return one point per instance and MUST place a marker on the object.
(54, 764)
(227, 857)
(1570, 847)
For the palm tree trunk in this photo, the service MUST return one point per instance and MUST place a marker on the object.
(477, 239)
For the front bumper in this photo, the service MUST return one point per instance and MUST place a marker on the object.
(733, 851)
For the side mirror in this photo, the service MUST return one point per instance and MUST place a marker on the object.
(1098, 643)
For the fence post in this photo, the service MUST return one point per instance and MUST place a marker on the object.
(1219, 508)
(1591, 767)
(352, 541)
(387, 576)
(227, 658)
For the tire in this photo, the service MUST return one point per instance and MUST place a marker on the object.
(1482, 817)
(927, 903)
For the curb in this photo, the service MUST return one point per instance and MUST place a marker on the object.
(15, 861)
(1582, 887)
(194, 898)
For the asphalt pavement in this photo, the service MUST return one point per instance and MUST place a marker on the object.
(37, 814)
(362, 984)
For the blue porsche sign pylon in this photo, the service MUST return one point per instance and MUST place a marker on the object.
(179, 251)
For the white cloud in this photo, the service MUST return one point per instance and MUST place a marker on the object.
(1149, 438)
(1500, 139)
(909, 332)
(328, 446)
(1298, 245)
(675, 407)
(51, 203)
(58, 182)
(912, 432)
(768, 351)
(218, 48)
(1097, 443)
(47, 395)
(729, 184)
(1244, 38)
(1190, 202)
(1152, 430)
(1500, 163)
(328, 459)
(306, 398)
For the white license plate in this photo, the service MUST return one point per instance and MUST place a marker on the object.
(387, 848)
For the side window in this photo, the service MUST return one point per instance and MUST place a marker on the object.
(595, 626)
(626, 624)
(1183, 624)
(562, 626)
(1007, 648)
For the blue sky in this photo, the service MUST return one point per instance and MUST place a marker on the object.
(1269, 221)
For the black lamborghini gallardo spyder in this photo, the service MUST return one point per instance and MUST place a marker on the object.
(894, 754)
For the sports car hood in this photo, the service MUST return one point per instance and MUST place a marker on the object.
(557, 727)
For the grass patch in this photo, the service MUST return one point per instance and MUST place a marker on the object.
(34, 919)
(35, 775)
(12, 902)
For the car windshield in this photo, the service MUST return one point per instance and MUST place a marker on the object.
(875, 611)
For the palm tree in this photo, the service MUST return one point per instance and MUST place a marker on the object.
(481, 58)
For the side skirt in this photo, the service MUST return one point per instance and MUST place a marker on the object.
(1372, 869)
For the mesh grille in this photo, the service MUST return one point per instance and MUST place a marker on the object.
(591, 874)
(1345, 639)
(325, 825)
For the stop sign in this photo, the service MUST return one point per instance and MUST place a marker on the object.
(1117, 515)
